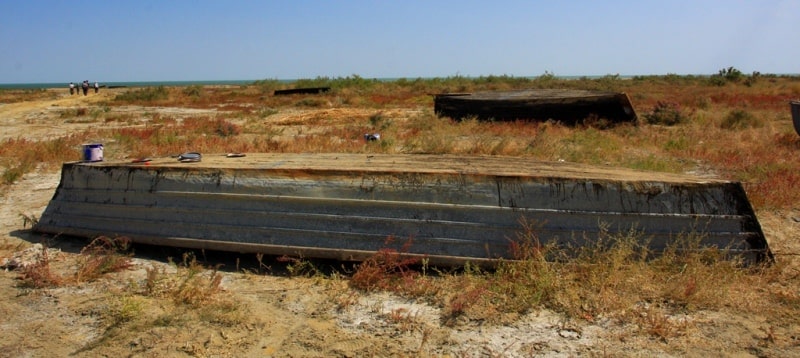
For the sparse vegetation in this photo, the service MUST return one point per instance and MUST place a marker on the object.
(38, 274)
(103, 255)
(146, 95)
(194, 91)
(729, 124)
(617, 278)
(691, 110)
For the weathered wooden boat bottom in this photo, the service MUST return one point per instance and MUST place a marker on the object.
(447, 209)
(566, 106)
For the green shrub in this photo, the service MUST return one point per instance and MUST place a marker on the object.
(725, 75)
(665, 113)
(716, 80)
(731, 74)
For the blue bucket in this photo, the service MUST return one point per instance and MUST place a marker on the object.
(92, 152)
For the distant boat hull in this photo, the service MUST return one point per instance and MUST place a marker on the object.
(564, 105)
(306, 90)
(447, 209)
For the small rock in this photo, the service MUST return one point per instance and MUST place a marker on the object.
(569, 333)
(27, 257)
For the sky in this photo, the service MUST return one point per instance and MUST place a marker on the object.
(50, 41)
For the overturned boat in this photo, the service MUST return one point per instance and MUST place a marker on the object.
(447, 209)
(305, 90)
(795, 106)
(569, 106)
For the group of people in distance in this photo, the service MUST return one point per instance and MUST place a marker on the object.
(84, 86)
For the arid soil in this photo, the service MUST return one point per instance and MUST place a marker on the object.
(283, 315)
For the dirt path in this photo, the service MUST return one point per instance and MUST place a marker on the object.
(40, 119)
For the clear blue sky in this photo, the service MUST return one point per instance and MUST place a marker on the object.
(143, 40)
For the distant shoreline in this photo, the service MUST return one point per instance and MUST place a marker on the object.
(248, 82)
(215, 83)
(128, 84)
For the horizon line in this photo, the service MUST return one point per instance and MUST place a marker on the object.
(240, 81)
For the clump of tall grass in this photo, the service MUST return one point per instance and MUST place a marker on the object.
(192, 285)
(38, 274)
(194, 91)
(103, 255)
(146, 95)
(740, 119)
(74, 112)
(391, 269)
(265, 112)
(14, 172)
(217, 126)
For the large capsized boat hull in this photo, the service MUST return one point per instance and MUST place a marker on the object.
(448, 209)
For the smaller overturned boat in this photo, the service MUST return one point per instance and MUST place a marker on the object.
(568, 106)
(304, 90)
(796, 115)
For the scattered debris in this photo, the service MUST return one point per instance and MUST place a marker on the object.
(190, 157)
(27, 257)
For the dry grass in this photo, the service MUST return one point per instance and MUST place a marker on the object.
(193, 284)
(39, 274)
(617, 278)
(391, 270)
(162, 299)
(739, 130)
(21, 95)
(101, 256)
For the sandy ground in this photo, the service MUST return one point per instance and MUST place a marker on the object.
(308, 317)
